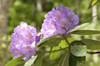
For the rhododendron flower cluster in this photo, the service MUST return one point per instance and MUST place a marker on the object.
(58, 21)
(23, 41)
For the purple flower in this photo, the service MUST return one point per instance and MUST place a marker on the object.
(23, 41)
(58, 21)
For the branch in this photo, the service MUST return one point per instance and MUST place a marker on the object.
(66, 40)
(94, 52)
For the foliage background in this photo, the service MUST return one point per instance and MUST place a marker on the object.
(27, 11)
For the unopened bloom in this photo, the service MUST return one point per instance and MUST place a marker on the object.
(23, 41)
(59, 21)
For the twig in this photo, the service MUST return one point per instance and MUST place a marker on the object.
(94, 52)
(66, 40)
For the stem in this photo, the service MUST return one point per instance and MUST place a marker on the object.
(66, 40)
(94, 52)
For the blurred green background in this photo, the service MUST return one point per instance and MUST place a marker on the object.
(33, 12)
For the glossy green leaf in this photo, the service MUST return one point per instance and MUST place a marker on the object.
(70, 39)
(54, 55)
(66, 59)
(50, 41)
(38, 61)
(63, 43)
(61, 60)
(78, 49)
(78, 27)
(16, 62)
(30, 61)
(92, 3)
(85, 32)
(76, 61)
(92, 44)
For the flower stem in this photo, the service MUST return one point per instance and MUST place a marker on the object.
(66, 40)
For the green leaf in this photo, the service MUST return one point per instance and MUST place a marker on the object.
(17, 61)
(63, 43)
(78, 49)
(66, 59)
(70, 39)
(50, 41)
(78, 27)
(62, 58)
(54, 55)
(91, 44)
(85, 32)
(76, 61)
(38, 61)
(30, 61)
(92, 3)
